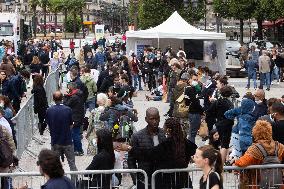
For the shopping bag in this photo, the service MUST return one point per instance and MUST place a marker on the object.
(203, 130)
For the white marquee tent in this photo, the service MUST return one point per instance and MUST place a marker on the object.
(173, 32)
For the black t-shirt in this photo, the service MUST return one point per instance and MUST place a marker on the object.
(278, 131)
(213, 180)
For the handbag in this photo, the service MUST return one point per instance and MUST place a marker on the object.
(203, 130)
(181, 110)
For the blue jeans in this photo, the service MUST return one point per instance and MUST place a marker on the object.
(91, 104)
(275, 74)
(135, 81)
(76, 135)
(194, 125)
(157, 98)
(252, 76)
(265, 80)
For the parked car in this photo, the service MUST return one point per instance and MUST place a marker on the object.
(262, 44)
(233, 47)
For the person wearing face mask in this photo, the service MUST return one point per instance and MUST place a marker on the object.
(269, 117)
(277, 113)
(194, 107)
(261, 104)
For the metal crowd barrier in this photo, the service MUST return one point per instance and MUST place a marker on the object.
(116, 178)
(233, 177)
(26, 122)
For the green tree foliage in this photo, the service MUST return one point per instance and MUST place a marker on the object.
(33, 4)
(55, 6)
(43, 4)
(153, 12)
(76, 7)
(70, 23)
(222, 8)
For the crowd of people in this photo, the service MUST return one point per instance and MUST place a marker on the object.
(98, 104)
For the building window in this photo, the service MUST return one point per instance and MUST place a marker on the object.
(26, 8)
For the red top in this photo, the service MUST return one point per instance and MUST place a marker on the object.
(72, 44)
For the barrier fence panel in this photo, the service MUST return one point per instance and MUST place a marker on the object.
(252, 177)
(117, 178)
(25, 120)
(51, 85)
(25, 125)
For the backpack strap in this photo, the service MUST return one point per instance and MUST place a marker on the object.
(262, 150)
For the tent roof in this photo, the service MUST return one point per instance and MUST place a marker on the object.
(175, 27)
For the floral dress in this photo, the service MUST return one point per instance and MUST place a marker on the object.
(94, 125)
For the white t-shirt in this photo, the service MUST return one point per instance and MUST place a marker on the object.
(156, 140)
(6, 124)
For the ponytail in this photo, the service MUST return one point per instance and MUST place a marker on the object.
(214, 157)
(218, 167)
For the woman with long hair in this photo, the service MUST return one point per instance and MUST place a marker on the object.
(174, 152)
(40, 102)
(35, 66)
(210, 161)
(104, 160)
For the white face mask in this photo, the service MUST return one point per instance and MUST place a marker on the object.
(194, 83)
(258, 101)
(2, 104)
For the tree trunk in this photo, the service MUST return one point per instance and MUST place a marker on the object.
(274, 31)
(34, 21)
(74, 25)
(55, 22)
(65, 21)
(44, 20)
(259, 29)
(82, 22)
(241, 31)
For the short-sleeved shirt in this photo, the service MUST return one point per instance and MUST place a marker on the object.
(214, 179)
(56, 183)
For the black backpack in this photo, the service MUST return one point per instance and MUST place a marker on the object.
(270, 178)
(6, 153)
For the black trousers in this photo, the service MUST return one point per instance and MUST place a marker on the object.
(42, 124)
(16, 103)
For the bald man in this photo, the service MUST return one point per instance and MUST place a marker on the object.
(261, 108)
(148, 137)
(59, 121)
